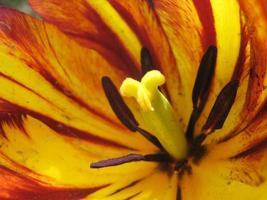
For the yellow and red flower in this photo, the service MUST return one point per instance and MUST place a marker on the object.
(56, 120)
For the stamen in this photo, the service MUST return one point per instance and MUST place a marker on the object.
(202, 87)
(221, 108)
(131, 158)
(216, 118)
(118, 106)
(204, 78)
(191, 125)
(146, 61)
(150, 138)
(123, 113)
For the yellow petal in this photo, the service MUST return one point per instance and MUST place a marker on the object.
(144, 189)
(45, 157)
(240, 177)
(217, 182)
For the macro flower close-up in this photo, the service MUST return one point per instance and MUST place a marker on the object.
(134, 99)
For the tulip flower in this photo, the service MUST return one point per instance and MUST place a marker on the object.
(134, 99)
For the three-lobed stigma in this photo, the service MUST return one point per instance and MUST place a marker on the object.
(145, 90)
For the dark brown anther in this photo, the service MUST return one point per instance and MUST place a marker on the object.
(131, 158)
(202, 87)
(221, 108)
(117, 161)
(118, 106)
(204, 77)
(146, 61)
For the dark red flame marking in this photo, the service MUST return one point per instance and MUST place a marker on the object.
(108, 39)
(79, 134)
(20, 187)
(133, 196)
(14, 120)
(126, 187)
(62, 128)
(205, 14)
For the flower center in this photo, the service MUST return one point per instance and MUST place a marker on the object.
(175, 147)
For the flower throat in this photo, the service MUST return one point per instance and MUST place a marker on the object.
(175, 148)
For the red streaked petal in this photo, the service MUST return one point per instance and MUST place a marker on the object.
(135, 29)
(92, 29)
(251, 67)
(19, 187)
(38, 111)
(240, 56)
(101, 24)
(58, 85)
(255, 11)
(191, 27)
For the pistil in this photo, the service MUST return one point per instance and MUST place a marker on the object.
(157, 112)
